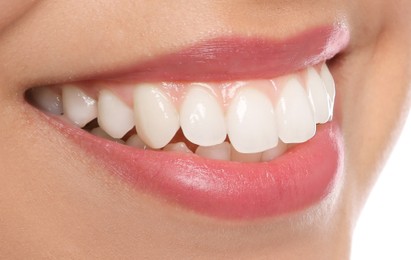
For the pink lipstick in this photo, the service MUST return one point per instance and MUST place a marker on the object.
(301, 177)
(239, 58)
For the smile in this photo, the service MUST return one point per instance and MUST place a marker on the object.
(232, 128)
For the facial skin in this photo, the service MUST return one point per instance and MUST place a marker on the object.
(56, 201)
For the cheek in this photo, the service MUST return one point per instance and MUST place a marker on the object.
(374, 98)
(12, 10)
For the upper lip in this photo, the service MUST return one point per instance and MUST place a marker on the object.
(238, 58)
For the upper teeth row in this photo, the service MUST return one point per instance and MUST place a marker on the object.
(252, 121)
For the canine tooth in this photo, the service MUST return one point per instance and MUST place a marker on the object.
(217, 152)
(101, 133)
(251, 122)
(48, 100)
(156, 118)
(294, 114)
(274, 152)
(78, 106)
(318, 96)
(329, 83)
(114, 116)
(201, 118)
(244, 157)
(136, 142)
(177, 147)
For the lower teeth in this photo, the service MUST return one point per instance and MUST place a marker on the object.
(224, 151)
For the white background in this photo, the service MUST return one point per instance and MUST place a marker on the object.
(384, 228)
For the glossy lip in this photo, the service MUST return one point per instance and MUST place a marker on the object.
(238, 58)
(296, 180)
(299, 178)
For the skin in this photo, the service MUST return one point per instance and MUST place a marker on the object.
(57, 202)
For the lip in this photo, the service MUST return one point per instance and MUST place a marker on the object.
(239, 58)
(299, 178)
(303, 176)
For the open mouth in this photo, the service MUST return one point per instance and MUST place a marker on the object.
(229, 134)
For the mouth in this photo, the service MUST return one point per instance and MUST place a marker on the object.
(233, 128)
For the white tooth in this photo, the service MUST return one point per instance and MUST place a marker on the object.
(47, 99)
(217, 152)
(274, 152)
(100, 133)
(245, 157)
(156, 118)
(77, 106)
(201, 118)
(180, 147)
(294, 114)
(329, 84)
(114, 116)
(136, 142)
(318, 96)
(251, 122)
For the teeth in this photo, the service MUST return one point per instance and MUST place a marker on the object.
(114, 117)
(294, 114)
(136, 142)
(77, 106)
(101, 133)
(318, 96)
(273, 153)
(259, 130)
(202, 119)
(245, 157)
(329, 84)
(180, 147)
(156, 118)
(217, 152)
(251, 122)
(47, 100)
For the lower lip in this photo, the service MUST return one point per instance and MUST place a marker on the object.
(301, 177)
